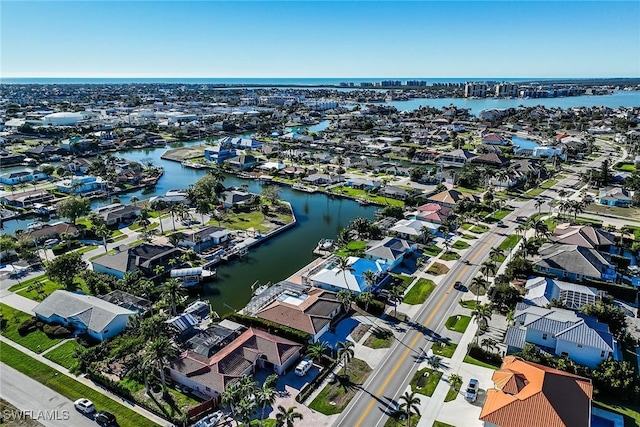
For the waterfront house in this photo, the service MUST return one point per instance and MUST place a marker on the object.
(455, 158)
(583, 235)
(362, 183)
(205, 238)
(245, 355)
(311, 311)
(328, 276)
(27, 199)
(394, 192)
(83, 314)
(526, 394)
(431, 212)
(449, 198)
(413, 229)
(390, 251)
(494, 139)
(541, 290)
(219, 153)
(172, 197)
(8, 158)
(242, 162)
(234, 198)
(43, 152)
(620, 197)
(573, 262)
(52, 231)
(117, 213)
(241, 143)
(143, 258)
(128, 301)
(491, 159)
(13, 178)
(79, 165)
(563, 333)
(81, 184)
(320, 179)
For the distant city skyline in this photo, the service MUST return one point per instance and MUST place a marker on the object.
(218, 39)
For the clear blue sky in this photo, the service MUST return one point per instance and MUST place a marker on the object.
(320, 39)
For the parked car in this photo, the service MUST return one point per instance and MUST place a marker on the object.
(303, 367)
(471, 393)
(85, 406)
(457, 285)
(51, 242)
(105, 418)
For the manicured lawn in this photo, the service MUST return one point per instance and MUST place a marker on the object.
(41, 289)
(419, 292)
(425, 381)
(406, 280)
(362, 194)
(379, 338)
(450, 256)
(460, 244)
(36, 341)
(549, 184)
(510, 242)
(626, 167)
(337, 394)
(352, 248)
(469, 304)
(243, 221)
(479, 229)
(137, 226)
(69, 387)
(437, 268)
(458, 323)
(500, 214)
(444, 349)
(26, 283)
(64, 355)
(432, 250)
(468, 236)
(396, 422)
(451, 395)
(470, 360)
(630, 411)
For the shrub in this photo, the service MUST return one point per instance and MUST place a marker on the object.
(271, 327)
(375, 306)
(483, 355)
(27, 327)
(49, 329)
(61, 332)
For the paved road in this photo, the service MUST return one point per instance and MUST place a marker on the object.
(389, 381)
(41, 403)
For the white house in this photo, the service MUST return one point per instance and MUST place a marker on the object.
(13, 178)
(81, 184)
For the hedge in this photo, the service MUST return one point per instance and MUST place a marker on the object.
(271, 327)
(315, 383)
(625, 293)
(375, 306)
(479, 353)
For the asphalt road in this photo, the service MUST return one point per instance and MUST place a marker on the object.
(42, 404)
(370, 407)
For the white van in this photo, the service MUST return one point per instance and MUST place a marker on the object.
(303, 367)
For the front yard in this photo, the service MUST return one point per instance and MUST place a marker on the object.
(379, 338)
(458, 323)
(36, 341)
(338, 393)
(419, 292)
(65, 354)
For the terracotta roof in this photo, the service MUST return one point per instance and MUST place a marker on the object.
(451, 197)
(532, 395)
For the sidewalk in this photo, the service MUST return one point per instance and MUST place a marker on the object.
(87, 382)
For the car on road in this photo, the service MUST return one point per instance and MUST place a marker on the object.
(501, 224)
(85, 406)
(105, 418)
(521, 219)
(471, 394)
(457, 285)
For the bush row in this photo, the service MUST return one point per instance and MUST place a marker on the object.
(483, 355)
(52, 331)
(375, 306)
(271, 327)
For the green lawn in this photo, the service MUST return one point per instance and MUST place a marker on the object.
(548, 183)
(444, 349)
(425, 381)
(406, 280)
(379, 338)
(441, 424)
(460, 244)
(419, 292)
(458, 323)
(337, 394)
(36, 341)
(396, 422)
(450, 256)
(472, 361)
(69, 387)
(479, 229)
(626, 167)
(468, 236)
(352, 248)
(432, 250)
(451, 395)
(26, 283)
(510, 242)
(39, 290)
(363, 194)
(469, 304)
(64, 355)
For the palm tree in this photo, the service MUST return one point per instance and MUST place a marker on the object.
(481, 315)
(488, 268)
(495, 253)
(266, 395)
(174, 209)
(202, 207)
(410, 405)
(343, 266)
(427, 235)
(129, 281)
(287, 417)
(366, 298)
(345, 351)
(316, 350)
(160, 352)
(478, 283)
(344, 237)
(435, 362)
(173, 290)
(455, 381)
(396, 294)
(103, 233)
(370, 278)
(231, 398)
(489, 343)
(538, 204)
(345, 297)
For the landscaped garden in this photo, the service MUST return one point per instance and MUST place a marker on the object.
(460, 244)
(31, 337)
(444, 349)
(337, 394)
(450, 256)
(425, 381)
(437, 269)
(458, 323)
(379, 338)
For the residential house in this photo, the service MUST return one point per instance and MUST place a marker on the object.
(449, 198)
(117, 213)
(394, 192)
(413, 229)
(456, 158)
(219, 153)
(51, 231)
(328, 276)
(128, 301)
(205, 238)
(233, 198)
(172, 197)
(242, 162)
(8, 158)
(563, 333)
(541, 291)
(43, 152)
(491, 159)
(143, 258)
(26, 199)
(79, 165)
(573, 262)
(13, 178)
(526, 394)
(83, 314)
(241, 143)
(362, 183)
(494, 139)
(390, 251)
(584, 236)
(320, 179)
(311, 311)
(431, 212)
(81, 184)
(615, 197)
(251, 351)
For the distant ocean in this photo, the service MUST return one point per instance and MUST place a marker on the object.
(263, 81)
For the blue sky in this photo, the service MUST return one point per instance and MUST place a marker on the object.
(320, 39)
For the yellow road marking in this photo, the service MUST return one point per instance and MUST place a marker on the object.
(415, 339)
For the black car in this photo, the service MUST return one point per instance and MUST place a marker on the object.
(457, 285)
(105, 418)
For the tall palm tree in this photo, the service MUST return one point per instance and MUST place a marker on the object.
(317, 349)
(489, 343)
(370, 278)
(266, 395)
(427, 235)
(134, 200)
(160, 352)
(174, 209)
(231, 398)
(479, 283)
(488, 268)
(173, 290)
(435, 362)
(538, 204)
(396, 295)
(495, 253)
(366, 298)
(342, 266)
(410, 405)
(287, 417)
(345, 351)
(345, 297)
(455, 381)
(481, 315)
(159, 206)
(102, 232)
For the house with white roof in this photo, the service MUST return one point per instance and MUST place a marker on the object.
(84, 314)
(541, 290)
(330, 277)
(563, 333)
(391, 251)
(413, 229)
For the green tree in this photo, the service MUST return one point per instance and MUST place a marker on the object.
(343, 266)
(410, 405)
(64, 268)
(316, 350)
(481, 315)
(609, 314)
(266, 395)
(231, 397)
(345, 352)
(396, 295)
(160, 352)
(455, 381)
(345, 297)
(102, 232)
(366, 298)
(74, 207)
(173, 290)
(287, 417)
(478, 284)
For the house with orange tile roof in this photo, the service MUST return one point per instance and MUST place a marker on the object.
(449, 198)
(252, 350)
(526, 394)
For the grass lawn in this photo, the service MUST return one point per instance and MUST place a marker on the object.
(362, 194)
(468, 236)
(479, 229)
(469, 304)
(406, 280)
(40, 289)
(548, 183)
(243, 221)
(440, 423)
(137, 226)
(444, 349)
(458, 323)
(379, 338)
(509, 242)
(432, 250)
(352, 248)
(26, 283)
(64, 355)
(425, 381)
(437, 268)
(499, 214)
(450, 256)
(36, 341)
(451, 395)
(337, 394)
(460, 244)
(69, 387)
(470, 360)
(396, 422)
(419, 292)
(630, 411)
(626, 167)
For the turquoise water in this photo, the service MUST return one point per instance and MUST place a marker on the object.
(524, 143)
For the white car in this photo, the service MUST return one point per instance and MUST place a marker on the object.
(471, 393)
(85, 406)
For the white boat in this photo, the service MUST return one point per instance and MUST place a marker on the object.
(35, 225)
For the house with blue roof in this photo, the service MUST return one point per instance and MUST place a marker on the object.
(563, 333)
